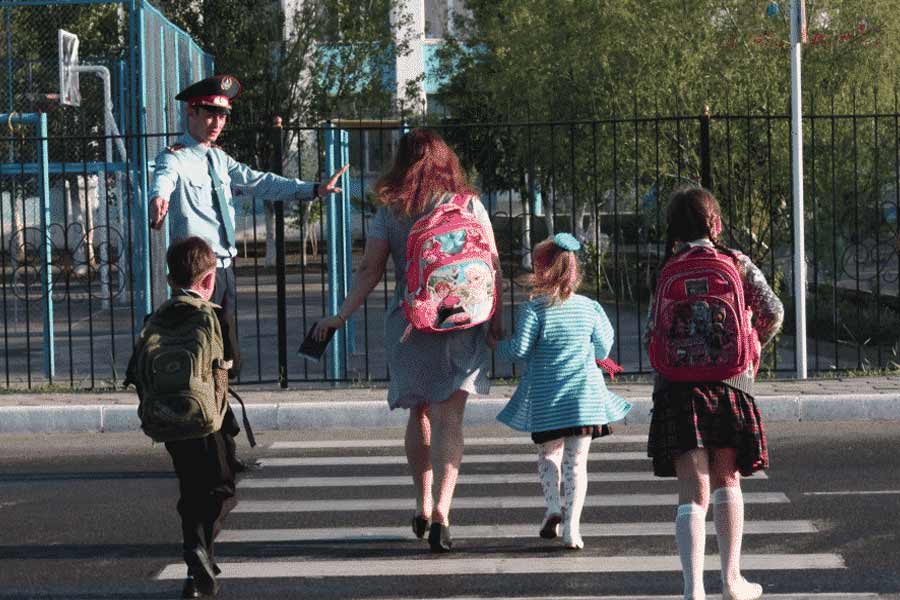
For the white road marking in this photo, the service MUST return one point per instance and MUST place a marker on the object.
(372, 504)
(320, 461)
(464, 479)
(398, 443)
(492, 532)
(801, 596)
(855, 493)
(500, 565)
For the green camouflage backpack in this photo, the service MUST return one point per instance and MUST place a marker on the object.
(179, 371)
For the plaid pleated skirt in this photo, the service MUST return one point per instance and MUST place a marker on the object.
(687, 416)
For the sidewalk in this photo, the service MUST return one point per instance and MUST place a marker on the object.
(848, 399)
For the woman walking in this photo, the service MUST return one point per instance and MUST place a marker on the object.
(431, 374)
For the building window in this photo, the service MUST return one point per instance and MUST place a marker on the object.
(436, 106)
(437, 18)
(376, 148)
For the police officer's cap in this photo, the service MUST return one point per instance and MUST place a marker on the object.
(213, 93)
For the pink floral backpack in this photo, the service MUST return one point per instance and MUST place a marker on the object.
(702, 328)
(449, 270)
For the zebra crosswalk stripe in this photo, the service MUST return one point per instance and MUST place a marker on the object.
(500, 565)
(464, 479)
(398, 442)
(371, 504)
(331, 461)
(462, 532)
(802, 596)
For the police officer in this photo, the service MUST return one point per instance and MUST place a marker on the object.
(193, 180)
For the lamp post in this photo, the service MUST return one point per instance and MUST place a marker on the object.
(798, 37)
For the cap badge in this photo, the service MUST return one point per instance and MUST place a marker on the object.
(227, 82)
(220, 101)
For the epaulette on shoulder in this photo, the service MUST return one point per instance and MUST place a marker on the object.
(175, 148)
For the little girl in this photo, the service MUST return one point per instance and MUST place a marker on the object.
(561, 399)
(707, 434)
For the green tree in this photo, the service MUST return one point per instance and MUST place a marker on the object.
(590, 66)
(327, 57)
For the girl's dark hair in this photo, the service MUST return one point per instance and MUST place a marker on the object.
(424, 166)
(693, 213)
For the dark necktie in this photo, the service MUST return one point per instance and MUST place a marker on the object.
(218, 195)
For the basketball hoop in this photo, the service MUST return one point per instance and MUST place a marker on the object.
(69, 91)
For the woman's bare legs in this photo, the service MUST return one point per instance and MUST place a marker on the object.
(692, 469)
(418, 448)
(728, 516)
(446, 451)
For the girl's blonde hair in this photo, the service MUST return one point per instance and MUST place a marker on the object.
(556, 273)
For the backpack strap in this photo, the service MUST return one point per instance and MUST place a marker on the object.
(250, 437)
(462, 200)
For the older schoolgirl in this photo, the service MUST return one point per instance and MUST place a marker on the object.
(708, 432)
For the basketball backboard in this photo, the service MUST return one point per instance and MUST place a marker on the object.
(69, 92)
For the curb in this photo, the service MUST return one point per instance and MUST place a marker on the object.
(289, 416)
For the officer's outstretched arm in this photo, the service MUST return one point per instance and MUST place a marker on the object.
(268, 186)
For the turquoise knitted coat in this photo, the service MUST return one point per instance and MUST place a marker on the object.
(562, 386)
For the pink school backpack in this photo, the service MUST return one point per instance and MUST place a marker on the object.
(449, 270)
(702, 328)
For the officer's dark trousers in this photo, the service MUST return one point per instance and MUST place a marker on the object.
(225, 295)
(206, 482)
(225, 292)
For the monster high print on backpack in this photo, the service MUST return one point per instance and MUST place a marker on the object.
(701, 326)
(449, 270)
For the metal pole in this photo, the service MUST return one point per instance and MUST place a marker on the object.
(798, 30)
(335, 249)
(141, 212)
(343, 156)
(280, 268)
(705, 163)
(46, 248)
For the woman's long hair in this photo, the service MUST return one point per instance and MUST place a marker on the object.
(425, 166)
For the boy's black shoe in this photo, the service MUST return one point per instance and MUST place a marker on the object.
(239, 466)
(190, 588)
(200, 567)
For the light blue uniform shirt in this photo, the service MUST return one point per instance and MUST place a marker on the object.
(562, 386)
(182, 177)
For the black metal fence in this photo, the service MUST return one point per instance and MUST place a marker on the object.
(607, 180)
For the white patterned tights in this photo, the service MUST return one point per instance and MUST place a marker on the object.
(567, 457)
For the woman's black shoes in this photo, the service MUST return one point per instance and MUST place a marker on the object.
(419, 526)
(439, 538)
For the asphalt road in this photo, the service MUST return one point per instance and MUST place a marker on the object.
(90, 517)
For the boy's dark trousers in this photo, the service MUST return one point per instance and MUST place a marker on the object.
(206, 482)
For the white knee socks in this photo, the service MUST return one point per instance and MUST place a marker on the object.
(690, 535)
(550, 456)
(728, 515)
(574, 466)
